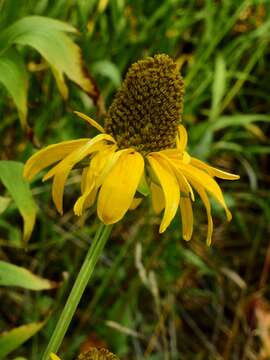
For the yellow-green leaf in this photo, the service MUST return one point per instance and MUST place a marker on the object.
(13, 76)
(11, 176)
(49, 38)
(13, 275)
(11, 340)
(4, 202)
(219, 86)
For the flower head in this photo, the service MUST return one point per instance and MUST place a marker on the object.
(146, 111)
(97, 354)
(142, 143)
(92, 354)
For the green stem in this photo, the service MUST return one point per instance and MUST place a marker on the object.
(79, 286)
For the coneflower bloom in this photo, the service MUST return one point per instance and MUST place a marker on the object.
(141, 146)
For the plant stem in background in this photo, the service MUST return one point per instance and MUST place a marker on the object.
(79, 286)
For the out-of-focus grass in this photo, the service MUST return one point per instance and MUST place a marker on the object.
(193, 302)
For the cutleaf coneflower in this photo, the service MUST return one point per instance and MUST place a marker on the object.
(141, 142)
(141, 150)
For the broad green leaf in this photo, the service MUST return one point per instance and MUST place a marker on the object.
(29, 24)
(48, 37)
(219, 86)
(12, 178)
(13, 76)
(11, 340)
(4, 202)
(13, 275)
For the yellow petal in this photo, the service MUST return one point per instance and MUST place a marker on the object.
(182, 138)
(61, 170)
(119, 187)
(95, 144)
(90, 186)
(169, 186)
(112, 158)
(99, 167)
(135, 203)
(58, 185)
(89, 201)
(183, 183)
(101, 159)
(187, 217)
(158, 201)
(54, 357)
(186, 158)
(90, 121)
(83, 179)
(171, 153)
(200, 190)
(213, 171)
(50, 155)
(205, 180)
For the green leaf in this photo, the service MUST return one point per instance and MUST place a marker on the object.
(13, 76)
(143, 187)
(219, 86)
(48, 37)
(11, 340)
(109, 70)
(196, 261)
(12, 275)
(19, 189)
(238, 120)
(4, 202)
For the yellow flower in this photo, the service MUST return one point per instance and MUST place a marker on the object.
(142, 146)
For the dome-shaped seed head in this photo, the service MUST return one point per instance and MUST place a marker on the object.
(146, 110)
(97, 354)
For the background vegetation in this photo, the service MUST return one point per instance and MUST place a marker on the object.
(152, 297)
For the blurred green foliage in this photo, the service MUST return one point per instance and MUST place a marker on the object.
(193, 302)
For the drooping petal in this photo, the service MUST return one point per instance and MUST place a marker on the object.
(205, 180)
(169, 186)
(202, 193)
(96, 144)
(183, 183)
(158, 201)
(50, 155)
(182, 138)
(187, 217)
(90, 187)
(186, 158)
(111, 160)
(90, 121)
(171, 153)
(83, 179)
(58, 186)
(213, 171)
(89, 201)
(119, 187)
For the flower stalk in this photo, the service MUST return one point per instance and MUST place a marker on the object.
(79, 286)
